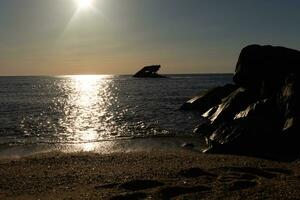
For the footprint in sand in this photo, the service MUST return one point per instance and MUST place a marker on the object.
(195, 172)
(135, 185)
(242, 184)
(106, 186)
(262, 173)
(228, 177)
(170, 192)
(278, 171)
(133, 196)
(238, 178)
(233, 178)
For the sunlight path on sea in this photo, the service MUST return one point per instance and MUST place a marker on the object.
(86, 118)
(102, 114)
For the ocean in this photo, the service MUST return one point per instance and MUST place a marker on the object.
(99, 113)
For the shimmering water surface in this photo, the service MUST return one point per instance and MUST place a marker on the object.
(89, 112)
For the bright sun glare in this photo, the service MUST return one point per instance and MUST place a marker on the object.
(84, 4)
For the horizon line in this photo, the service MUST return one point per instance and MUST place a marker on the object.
(61, 75)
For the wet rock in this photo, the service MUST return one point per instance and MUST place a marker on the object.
(204, 128)
(248, 132)
(225, 111)
(243, 136)
(288, 104)
(209, 99)
(261, 115)
(232, 104)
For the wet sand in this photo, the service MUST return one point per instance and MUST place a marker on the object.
(180, 174)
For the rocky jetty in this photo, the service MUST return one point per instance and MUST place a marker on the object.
(149, 72)
(259, 114)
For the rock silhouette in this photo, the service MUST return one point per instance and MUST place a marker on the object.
(258, 115)
(210, 99)
(149, 72)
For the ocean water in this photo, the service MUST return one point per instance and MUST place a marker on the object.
(98, 113)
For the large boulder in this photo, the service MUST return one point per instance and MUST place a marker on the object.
(261, 114)
(264, 68)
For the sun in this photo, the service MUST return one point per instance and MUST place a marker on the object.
(84, 4)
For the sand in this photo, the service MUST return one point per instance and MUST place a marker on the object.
(178, 174)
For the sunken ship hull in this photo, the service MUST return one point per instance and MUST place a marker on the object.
(149, 72)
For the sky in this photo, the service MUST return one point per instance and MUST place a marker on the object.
(55, 37)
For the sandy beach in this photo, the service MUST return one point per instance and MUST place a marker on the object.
(179, 174)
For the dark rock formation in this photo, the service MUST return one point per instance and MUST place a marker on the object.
(149, 72)
(260, 114)
(209, 99)
(264, 68)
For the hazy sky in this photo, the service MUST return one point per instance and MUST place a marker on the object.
(47, 37)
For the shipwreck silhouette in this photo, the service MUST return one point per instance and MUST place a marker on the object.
(149, 72)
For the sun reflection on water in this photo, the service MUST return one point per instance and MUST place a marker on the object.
(87, 105)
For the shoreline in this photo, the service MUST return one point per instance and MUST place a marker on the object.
(165, 143)
(171, 174)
